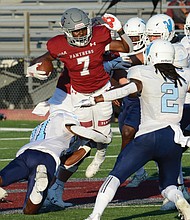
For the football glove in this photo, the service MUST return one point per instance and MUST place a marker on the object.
(111, 22)
(86, 102)
(33, 72)
(118, 63)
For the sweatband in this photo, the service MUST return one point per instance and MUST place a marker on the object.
(120, 92)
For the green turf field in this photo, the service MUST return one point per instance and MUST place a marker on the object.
(11, 141)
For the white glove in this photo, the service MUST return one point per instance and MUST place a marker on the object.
(118, 63)
(33, 72)
(112, 22)
(86, 102)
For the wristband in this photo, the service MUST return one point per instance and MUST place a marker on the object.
(121, 32)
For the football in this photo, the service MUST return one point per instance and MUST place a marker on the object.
(46, 66)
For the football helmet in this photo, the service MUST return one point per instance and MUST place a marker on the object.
(159, 51)
(187, 26)
(160, 25)
(135, 27)
(181, 55)
(75, 19)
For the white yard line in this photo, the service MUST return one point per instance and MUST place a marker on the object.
(16, 129)
(13, 139)
(115, 129)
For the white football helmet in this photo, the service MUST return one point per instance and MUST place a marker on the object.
(160, 25)
(181, 55)
(187, 26)
(75, 19)
(135, 27)
(159, 51)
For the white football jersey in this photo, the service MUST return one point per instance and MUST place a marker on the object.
(51, 136)
(186, 43)
(161, 103)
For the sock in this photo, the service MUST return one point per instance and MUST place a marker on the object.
(105, 195)
(100, 155)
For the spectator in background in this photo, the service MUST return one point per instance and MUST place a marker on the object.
(2, 117)
(178, 14)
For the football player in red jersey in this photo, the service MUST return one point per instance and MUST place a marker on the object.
(81, 49)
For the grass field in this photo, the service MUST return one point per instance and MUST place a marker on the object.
(11, 141)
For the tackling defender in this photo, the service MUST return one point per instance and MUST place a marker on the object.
(38, 160)
(163, 89)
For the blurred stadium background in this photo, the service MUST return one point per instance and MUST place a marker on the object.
(25, 27)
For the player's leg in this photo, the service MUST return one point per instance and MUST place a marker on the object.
(42, 168)
(169, 163)
(13, 172)
(133, 156)
(102, 113)
(129, 120)
(34, 202)
(16, 170)
(168, 205)
(70, 160)
(97, 117)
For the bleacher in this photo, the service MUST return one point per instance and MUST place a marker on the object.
(40, 19)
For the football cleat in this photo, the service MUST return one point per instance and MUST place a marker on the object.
(96, 217)
(94, 167)
(183, 208)
(55, 197)
(137, 179)
(41, 178)
(185, 192)
(169, 205)
(3, 194)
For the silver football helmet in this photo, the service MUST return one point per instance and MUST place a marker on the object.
(75, 19)
(135, 27)
(160, 25)
(159, 51)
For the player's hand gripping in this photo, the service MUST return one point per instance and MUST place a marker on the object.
(120, 63)
(86, 102)
(111, 22)
(33, 72)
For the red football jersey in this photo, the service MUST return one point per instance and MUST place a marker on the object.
(85, 64)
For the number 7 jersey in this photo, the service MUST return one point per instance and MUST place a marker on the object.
(84, 64)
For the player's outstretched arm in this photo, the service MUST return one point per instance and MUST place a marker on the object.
(134, 86)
